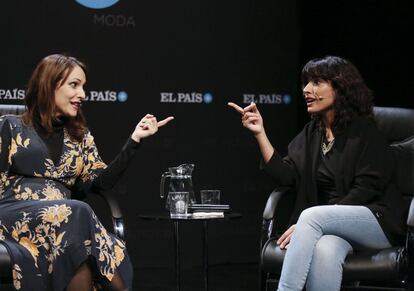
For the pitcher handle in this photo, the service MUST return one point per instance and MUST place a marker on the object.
(163, 177)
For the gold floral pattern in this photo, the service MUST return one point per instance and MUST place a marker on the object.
(15, 143)
(4, 182)
(3, 229)
(55, 215)
(17, 276)
(88, 247)
(26, 194)
(110, 253)
(51, 241)
(91, 159)
(80, 159)
(51, 172)
(50, 192)
(46, 236)
(25, 237)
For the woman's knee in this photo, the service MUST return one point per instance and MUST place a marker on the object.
(77, 204)
(80, 209)
(310, 214)
(331, 248)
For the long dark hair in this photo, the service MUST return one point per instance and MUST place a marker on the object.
(353, 97)
(51, 72)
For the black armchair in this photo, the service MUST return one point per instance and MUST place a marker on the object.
(387, 269)
(6, 279)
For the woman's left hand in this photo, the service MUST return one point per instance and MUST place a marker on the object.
(251, 117)
(148, 126)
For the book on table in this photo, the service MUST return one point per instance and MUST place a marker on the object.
(209, 208)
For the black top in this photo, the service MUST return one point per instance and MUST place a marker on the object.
(53, 141)
(325, 177)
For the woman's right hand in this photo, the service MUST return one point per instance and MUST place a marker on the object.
(284, 239)
(148, 126)
(251, 117)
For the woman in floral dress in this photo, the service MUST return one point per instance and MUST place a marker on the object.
(46, 156)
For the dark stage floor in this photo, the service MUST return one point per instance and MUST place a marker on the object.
(227, 277)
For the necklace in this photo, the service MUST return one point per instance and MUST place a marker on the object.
(327, 147)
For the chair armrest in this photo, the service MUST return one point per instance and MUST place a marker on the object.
(273, 201)
(5, 266)
(12, 109)
(117, 219)
(410, 243)
(410, 219)
(278, 200)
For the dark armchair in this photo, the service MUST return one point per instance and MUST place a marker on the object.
(6, 280)
(387, 269)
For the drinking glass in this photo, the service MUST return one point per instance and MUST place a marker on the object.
(210, 197)
(178, 204)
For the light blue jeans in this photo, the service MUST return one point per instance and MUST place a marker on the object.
(323, 237)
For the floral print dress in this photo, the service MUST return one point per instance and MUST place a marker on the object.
(47, 234)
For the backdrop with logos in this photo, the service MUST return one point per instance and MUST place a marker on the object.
(181, 58)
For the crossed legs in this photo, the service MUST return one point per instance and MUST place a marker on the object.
(323, 236)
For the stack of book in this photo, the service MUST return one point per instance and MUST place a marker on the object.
(209, 208)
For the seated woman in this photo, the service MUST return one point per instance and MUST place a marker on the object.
(46, 155)
(340, 167)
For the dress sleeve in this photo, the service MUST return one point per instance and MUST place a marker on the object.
(108, 178)
(92, 162)
(5, 162)
(96, 176)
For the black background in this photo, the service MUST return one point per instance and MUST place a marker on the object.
(225, 48)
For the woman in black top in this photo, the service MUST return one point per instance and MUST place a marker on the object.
(340, 167)
(46, 155)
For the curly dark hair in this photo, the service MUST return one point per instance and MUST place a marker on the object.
(52, 71)
(353, 97)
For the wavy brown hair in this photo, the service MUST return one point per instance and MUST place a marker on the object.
(50, 73)
(353, 97)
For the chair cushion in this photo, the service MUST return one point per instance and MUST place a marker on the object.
(376, 266)
(395, 123)
(382, 265)
(403, 153)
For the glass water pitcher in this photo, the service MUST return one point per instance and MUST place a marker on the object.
(180, 180)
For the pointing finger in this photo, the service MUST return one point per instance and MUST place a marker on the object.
(165, 121)
(252, 107)
(236, 107)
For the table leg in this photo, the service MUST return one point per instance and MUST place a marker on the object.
(205, 254)
(177, 255)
